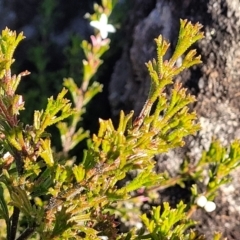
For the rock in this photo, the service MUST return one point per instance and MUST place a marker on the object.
(215, 82)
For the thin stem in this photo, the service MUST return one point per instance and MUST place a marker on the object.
(145, 111)
(16, 211)
(15, 218)
(26, 234)
(19, 163)
(191, 211)
(6, 82)
(3, 110)
(73, 126)
(169, 183)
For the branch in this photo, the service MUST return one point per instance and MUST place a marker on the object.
(15, 217)
(26, 234)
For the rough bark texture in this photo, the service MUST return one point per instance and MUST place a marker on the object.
(216, 84)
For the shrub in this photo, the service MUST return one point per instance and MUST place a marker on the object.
(49, 195)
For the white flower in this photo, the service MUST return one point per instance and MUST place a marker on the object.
(103, 26)
(7, 155)
(209, 206)
(201, 201)
(103, 237)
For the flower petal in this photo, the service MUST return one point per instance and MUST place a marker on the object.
(103, 19)
(111, 28)
(95, 24)
(201, 201)
(210, 206)
(103, 33)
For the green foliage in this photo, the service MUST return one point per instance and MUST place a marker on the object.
(220, 162)
(49, 195)
(171, 224)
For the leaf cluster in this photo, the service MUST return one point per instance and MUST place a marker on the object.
(64, 199)
(213, 169)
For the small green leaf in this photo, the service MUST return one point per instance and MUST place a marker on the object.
(4, 210)
(79, 172)
(46, 152)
